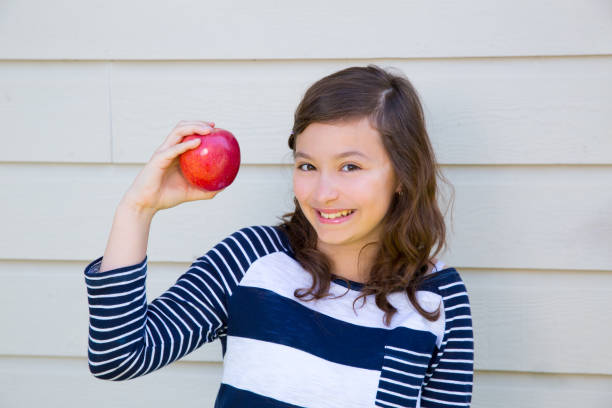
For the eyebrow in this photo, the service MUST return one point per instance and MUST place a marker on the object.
(342, 155)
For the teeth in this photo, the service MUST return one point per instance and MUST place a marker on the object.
(342, 213)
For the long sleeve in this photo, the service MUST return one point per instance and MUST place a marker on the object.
(449, 382)
(129, 338)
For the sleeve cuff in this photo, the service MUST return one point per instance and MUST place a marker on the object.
(93, 269)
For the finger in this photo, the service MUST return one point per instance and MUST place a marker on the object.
(169, 154)
(179, 133)
(184, 123)
(195, 122)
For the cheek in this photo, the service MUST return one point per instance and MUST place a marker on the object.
(375, 192)
(300, 187)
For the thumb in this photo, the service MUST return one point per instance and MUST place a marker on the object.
(168, 155)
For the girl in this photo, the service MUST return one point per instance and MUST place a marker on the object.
(281, 299)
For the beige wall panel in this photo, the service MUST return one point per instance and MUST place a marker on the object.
(66, 382)
(57, 302)
(254, 100)
(523, 320)
(479, 111)
(66, 212)
(54, 111)
(528, 110)
(557, 217)
(196, 385)
(190, 29)
(504, 217)
(541, 321)
(527, 390)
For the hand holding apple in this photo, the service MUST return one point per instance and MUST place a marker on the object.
(161, 184)
(214, 164)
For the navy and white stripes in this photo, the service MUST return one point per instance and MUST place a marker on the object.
(448, 382)
(280, 351)
(128, 338)
(440, 376)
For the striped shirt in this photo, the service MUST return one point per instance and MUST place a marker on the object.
(278, 350)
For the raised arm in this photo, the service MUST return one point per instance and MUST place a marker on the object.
(158, 186)
(123, 330)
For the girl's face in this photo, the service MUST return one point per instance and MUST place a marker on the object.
(344, 181)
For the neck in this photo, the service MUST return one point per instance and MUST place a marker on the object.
(351, 262)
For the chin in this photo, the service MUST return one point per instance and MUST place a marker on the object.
(335, 237)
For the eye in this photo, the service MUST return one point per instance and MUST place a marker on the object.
(350, 167)
(305, 167)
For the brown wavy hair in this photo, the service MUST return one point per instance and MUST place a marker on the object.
(414, 224)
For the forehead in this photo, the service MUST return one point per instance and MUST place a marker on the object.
(334, 138)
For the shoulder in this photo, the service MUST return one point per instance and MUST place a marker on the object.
(443, 280)
(254, 242)
(272, 236)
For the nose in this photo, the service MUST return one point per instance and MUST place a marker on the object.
(326, 189)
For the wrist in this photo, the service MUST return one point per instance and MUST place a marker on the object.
(128, 206)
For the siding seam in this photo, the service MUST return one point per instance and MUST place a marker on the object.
(109, 71)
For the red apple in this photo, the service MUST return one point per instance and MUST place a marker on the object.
(212, 165)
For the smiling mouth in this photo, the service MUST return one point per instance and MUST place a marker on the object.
(339, 214)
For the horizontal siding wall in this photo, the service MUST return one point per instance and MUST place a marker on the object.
(271, 29)
(517, 100)
(549, 305)
(503, 216)
(480, 111)
(196, 384)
